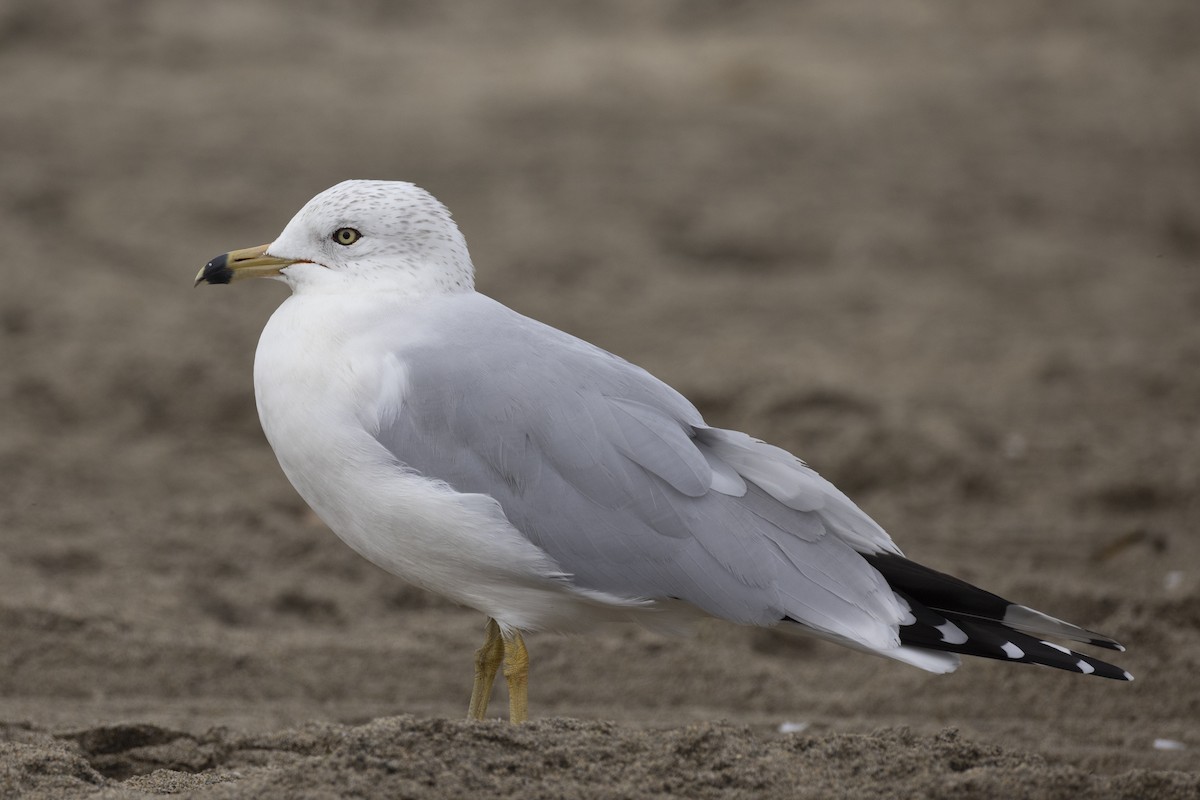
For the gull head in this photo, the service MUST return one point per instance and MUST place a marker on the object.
(359, 236)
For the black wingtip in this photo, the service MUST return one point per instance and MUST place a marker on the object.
(949, 632)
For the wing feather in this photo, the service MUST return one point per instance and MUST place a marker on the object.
(615, 475)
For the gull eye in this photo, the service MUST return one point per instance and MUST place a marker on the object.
(346, 236)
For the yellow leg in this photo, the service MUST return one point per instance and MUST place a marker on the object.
(516, 672)
(487, 661)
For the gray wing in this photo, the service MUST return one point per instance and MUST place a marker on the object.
(615, 475)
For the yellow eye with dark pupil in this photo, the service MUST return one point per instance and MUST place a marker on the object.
(346, 236)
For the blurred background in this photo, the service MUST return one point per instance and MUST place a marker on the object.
(949, 254)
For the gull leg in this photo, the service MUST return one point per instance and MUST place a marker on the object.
(487, 661)
(516, 672)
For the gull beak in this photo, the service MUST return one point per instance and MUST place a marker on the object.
(253, 262)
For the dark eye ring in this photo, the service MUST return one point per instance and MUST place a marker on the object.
(346, 236)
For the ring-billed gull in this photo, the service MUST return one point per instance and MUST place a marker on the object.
(520, 471)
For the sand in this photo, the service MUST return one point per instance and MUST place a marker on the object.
(950, 256)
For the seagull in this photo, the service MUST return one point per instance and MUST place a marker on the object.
(553, 486)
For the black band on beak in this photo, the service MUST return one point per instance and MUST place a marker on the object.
(216, 271)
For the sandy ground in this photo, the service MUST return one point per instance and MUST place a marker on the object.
(946, 253)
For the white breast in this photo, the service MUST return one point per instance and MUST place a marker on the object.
(322, 397)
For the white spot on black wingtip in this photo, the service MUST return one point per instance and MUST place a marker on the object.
(1012, 651)
(1057, 647)
(1128, 675)
(951, 633)
(1085, 667)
